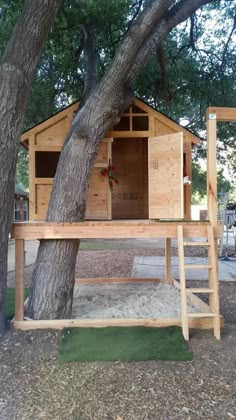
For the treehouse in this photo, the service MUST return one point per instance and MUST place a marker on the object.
(150, 154)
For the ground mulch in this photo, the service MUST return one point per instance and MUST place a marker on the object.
(35, 385)
(109, 263)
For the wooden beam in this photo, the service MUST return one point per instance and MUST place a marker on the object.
(19, 279)
(184, 307)
(214, 300)
(167, 259)
(107, 230)
(211, 170)
(188, 188)
(222, 114)
(194, 300)
(198, 323)
(43, 181)
(47, 148)
(32, 192)
(109, 197)
(126, 134)
(122, 280)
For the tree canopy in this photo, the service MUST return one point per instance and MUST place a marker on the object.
(195, 67)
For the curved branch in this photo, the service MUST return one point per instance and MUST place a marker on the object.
(227, 43)
(177, 14)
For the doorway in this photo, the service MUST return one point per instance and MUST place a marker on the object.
(130, 159)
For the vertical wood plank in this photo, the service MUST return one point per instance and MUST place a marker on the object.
(19, 279)
(32, 175)
(213, 282)
(167, 258)
(151, 127)
(184, 309)
(109, 202)
(211, 170)
(165, 176)
(188, 188)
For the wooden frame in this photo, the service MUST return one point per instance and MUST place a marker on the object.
(88, 230)
(214, 115)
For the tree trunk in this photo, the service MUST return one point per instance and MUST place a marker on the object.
(53, 278)
(16, 71)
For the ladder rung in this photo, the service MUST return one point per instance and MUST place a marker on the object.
(201, 315)
(196, 244)
(199, 290)
(196, 266)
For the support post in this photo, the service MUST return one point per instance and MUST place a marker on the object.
(211, 170)
(212, 174)
(188, 188)
(167, 259)
(19, 279)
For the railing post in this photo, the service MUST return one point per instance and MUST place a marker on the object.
(19, 279)
(168, 258)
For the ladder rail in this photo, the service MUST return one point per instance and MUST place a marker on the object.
(184, 307)
(213, 284)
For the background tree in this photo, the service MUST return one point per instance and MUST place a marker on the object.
(17, 67)
(22, 173)
(199, 183)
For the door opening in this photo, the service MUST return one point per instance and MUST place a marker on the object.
(130, 159)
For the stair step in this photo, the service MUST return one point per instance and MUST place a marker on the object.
(199, 290)
(201, 315)
(197, 244)
(196, 266)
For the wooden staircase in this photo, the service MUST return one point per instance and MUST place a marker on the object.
(213, 286)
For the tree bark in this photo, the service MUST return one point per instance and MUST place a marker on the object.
(17, 67)
(91, 58)
(53, 274)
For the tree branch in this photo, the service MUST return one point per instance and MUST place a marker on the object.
(91, 58)
(176, 15)
(227, 44)
(164, 82)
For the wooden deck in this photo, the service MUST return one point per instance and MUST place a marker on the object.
(115, 229)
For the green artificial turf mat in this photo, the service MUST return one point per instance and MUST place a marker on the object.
(10, 302)
(123, 343)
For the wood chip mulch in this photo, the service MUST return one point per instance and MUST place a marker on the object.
(34, 385)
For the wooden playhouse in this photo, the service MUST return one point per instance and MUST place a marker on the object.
(148, 151)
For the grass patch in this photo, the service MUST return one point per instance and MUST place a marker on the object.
(10, 302)
(124, 344)
(91, 246)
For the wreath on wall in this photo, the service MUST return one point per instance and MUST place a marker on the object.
(111, 178)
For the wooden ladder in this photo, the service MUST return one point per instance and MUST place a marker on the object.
(213, 286)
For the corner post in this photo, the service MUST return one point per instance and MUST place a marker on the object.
(19, 281)
(167, 259)
(211, 169)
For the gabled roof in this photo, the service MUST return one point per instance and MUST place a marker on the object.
(166, 120)
(43, 125)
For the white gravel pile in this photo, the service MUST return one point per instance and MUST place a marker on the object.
(147, 300)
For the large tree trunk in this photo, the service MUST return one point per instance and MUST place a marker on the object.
(16, 71)
(53, 277)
